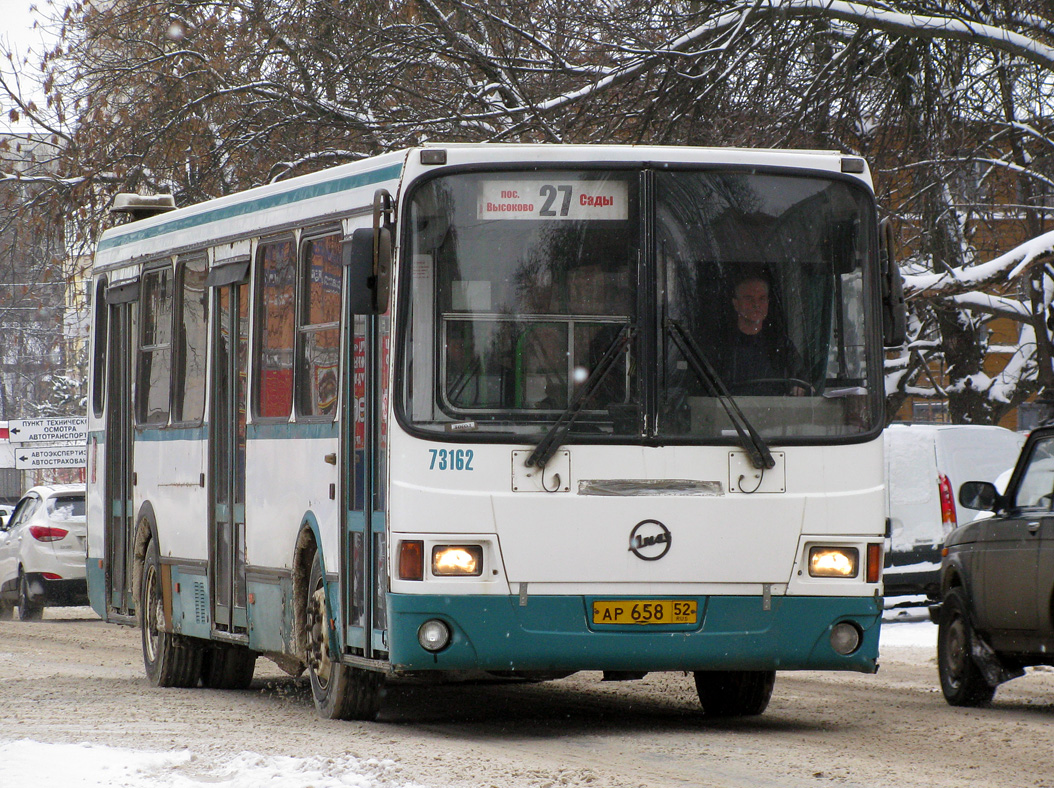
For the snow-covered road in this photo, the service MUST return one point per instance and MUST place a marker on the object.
(76, 711)
(25, 762)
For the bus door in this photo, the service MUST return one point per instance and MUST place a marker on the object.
(121, 303)
(363, 437)
(226, 483)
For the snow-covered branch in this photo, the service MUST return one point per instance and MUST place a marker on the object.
(1006, 267)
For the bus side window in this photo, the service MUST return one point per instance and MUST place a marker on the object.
(191, 345)
(155, 349)
(276, 263)
(318, 346)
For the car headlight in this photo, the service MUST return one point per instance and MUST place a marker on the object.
(457, 560)
(833, 561)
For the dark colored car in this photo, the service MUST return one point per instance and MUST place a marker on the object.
(997, 581)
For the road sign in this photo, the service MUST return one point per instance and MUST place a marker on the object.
(72, 430)
(39, 457)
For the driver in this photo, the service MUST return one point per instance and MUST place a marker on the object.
(755, 360)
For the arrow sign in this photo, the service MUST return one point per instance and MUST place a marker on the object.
(72, 430)
(39, 457)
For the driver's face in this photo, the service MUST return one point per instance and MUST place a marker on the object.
(751, 302)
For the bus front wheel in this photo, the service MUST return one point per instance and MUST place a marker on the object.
(170, 660)
(340, 692)
(734, 693)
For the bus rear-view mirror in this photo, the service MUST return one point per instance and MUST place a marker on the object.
(367, 258)
(894, 311)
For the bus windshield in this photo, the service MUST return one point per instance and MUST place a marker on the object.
(731, 283)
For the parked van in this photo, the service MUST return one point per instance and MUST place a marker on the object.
(925, 464)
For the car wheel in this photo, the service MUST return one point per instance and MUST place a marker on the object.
(340, 692)
(30, 607)
(961, 680)
(170, 660)
(7, 610)
(734, 693)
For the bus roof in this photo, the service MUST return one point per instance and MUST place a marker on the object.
(314, 197)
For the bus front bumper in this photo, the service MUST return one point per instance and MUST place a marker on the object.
(556, 633)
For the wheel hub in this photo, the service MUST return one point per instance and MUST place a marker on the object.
(318, 636)
(154, 612)
(956, 650)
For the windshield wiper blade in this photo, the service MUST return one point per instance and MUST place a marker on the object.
(752, 442)
(554, 438)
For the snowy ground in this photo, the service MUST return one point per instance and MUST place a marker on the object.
(909, 628)
(97, 766)
(907, 636)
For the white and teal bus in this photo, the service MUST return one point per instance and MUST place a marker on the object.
(476, 409)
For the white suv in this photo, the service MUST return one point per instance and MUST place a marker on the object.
(42, 552)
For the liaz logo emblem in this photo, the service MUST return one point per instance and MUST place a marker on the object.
(650, 540)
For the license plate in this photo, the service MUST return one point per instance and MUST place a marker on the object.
(650, 611)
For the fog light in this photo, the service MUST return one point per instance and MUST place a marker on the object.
(451, 559)
(433, 635)
(845, 638)
(833, 561)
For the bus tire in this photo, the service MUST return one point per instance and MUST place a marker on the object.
(340, 692)
(227, 666)
(170, 660)
(962, 682)
(734, 693)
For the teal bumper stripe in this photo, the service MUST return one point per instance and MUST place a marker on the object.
(554, 633)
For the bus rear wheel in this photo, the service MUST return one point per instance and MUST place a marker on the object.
(170, 660)
(227, 666)
(734, 693)
(340, 692)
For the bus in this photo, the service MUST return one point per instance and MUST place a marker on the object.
(474, 410)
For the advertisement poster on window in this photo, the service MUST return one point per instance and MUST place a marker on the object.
(359, 390)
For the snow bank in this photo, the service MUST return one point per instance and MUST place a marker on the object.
(97, 766)
(908, 631)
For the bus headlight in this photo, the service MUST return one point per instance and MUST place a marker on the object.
(833, 561)
(433, 635)
(463, 560)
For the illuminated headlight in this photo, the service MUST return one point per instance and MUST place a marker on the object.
(833, 561)
(463, 560)
(433, 635)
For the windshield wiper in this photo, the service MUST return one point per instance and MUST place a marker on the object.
(752, 442)
(553, 439)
